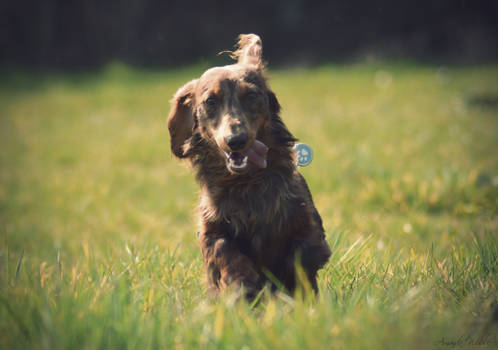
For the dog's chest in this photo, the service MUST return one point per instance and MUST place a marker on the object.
(257, 213)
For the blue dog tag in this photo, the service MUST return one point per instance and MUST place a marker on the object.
(304, 154)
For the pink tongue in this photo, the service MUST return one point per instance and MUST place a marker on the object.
(257, 154)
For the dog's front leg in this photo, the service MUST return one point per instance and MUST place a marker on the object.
(226, 266)
(311, 255)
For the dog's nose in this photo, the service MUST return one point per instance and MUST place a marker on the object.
(237, 142)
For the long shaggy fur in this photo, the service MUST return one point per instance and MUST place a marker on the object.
(255, 224)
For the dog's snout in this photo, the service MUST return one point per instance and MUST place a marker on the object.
(237, 142)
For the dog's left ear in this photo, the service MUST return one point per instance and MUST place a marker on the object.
(181, 118)
(273, 102)
(280, 132)
(250, 50)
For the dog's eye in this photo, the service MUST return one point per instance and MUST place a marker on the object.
(211, 101)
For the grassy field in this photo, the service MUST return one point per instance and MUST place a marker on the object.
(97, 219)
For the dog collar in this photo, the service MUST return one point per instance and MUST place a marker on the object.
(303, 154)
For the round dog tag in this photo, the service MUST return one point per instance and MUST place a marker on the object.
(304, 154)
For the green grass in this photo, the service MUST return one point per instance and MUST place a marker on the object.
(97, 219)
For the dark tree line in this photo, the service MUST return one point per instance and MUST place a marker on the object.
(87, 33)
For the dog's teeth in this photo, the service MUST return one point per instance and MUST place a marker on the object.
(241, 166)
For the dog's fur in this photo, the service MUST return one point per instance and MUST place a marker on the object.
(256, 219)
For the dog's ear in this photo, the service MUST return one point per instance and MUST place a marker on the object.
(281, 134)
(181, 118)
(249, 50)
(273, 102)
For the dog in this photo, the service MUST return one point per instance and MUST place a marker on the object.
(258, 221)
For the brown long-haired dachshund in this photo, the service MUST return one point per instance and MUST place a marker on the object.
(257, 217)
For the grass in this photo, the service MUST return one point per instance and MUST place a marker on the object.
(97, 221)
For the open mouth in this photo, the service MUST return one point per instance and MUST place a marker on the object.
(239, 162)
(236, 161)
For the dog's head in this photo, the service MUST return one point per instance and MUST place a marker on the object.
(229, 108)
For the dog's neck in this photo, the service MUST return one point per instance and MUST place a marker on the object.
(251, 200)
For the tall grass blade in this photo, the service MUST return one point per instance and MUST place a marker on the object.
(19, 263)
